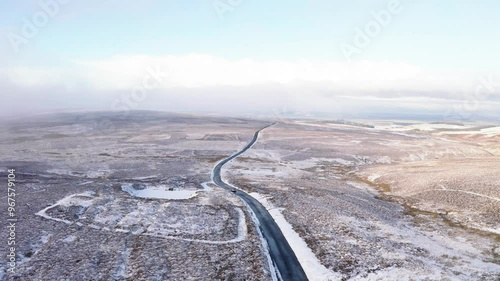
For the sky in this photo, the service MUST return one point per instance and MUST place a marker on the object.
(339, 59)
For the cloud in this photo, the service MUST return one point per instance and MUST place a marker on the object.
(200, 70)
(195, 80)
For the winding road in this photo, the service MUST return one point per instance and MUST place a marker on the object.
(280, 251)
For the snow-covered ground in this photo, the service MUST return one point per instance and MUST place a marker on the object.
(310, 263)
(188, 222)
(490, 132)
(337, 227)
(107, 234)
(159, 192)
(421, 127)
(442, 128)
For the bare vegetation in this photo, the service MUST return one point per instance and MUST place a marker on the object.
(356, 196)
(105, 234)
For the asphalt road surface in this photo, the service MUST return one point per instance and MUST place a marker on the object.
(280, 251)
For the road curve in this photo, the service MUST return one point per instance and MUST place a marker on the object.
(280, 251)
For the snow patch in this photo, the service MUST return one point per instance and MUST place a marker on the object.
(489, 132)
(195, 136)
(85, 183)
(79, 199)
(310, 263)
(273, 270)
(373, 177)
(69, 239)
(145, 219)
(422, 127)
(145, 178)
(343, 161)
(122, 268)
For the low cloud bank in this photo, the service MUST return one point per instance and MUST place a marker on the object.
(208, 84)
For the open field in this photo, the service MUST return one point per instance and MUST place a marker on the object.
(79, 222)
(465, 191)
(353, 194)
(109, 197)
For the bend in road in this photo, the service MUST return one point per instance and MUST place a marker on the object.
(280, 251)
